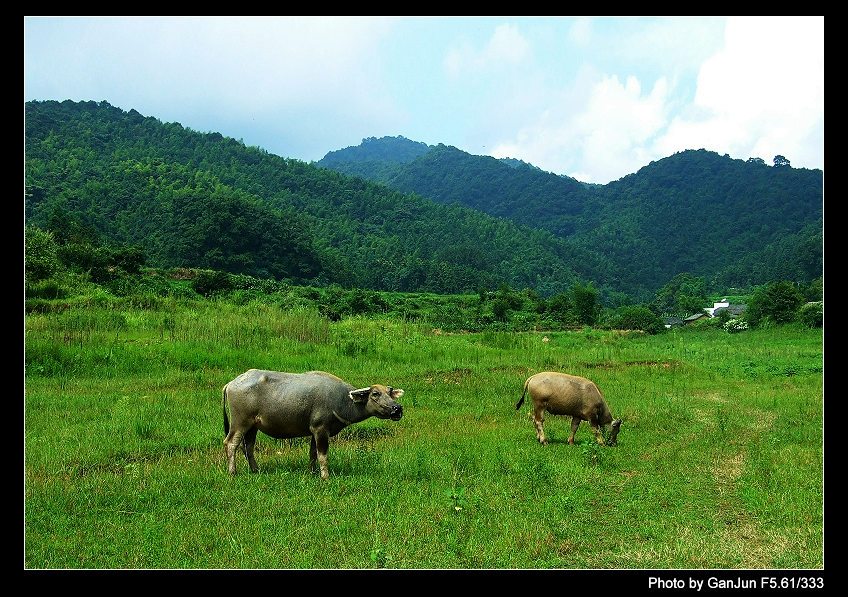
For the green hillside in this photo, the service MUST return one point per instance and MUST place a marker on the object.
(734, 222)
(398, 215)
(523, 194)
(97, 174)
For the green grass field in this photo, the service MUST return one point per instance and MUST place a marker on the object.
(719, 462)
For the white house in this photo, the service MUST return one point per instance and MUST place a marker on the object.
(711, 310)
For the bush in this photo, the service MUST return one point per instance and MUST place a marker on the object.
(586, 306)
(638, 318)
(208, 283)
(46, 289)
(500, 309)
(559, 307)
(734, 326)
(812, 314)
(40, 254)
(776, 303)
(259, 285)
(129, 259)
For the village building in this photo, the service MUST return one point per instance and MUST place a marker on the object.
(708, 313)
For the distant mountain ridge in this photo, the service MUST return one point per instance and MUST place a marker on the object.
(694, 211)
(395, 214)
(502, 188)
(386, 149)
(97, 174)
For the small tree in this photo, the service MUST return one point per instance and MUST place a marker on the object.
(559, 307)
(734, 326)
(129, 259)
(208, 283)
(778, 302)
(812, 314)
(585, 303)
(639, 318)
(500, 309)
(689, 305)
(40, 254)
(683, 295)
(814, 292)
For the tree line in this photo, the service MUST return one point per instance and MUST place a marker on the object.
(58, 273)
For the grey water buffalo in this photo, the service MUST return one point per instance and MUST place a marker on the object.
(563, 394)
(286, 405)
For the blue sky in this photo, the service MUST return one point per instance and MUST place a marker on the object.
(592, 98)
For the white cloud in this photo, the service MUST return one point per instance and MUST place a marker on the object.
(280, 61)
(606, 122)
(618, 123)
(761, 95)
(506, 47)
(668, 45)
(580, 32)
(271, 81)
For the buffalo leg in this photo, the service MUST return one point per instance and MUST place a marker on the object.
(249, 444)
(575, 423)
(597, 429)
(538, 420)
(318, 448)
(231, 444)
(313, 453)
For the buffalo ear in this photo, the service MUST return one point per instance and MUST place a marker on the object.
(359, 395)
(616, 423)
(396, 393)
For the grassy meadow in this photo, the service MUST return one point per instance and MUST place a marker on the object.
(719, 463)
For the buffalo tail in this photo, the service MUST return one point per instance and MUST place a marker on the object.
(224, 409)
(520, 402)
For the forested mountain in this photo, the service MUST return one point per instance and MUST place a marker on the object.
(734, 222)
(395, 214)
(95, 173)
(523, 194)
(397, 150)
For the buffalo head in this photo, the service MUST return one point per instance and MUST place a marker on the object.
(380, 401)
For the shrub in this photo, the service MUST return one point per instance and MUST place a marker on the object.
(40, 254)
(734, 326)
(259, 285)
(559, 307)
(812, 314)
(500, 309)
(638, 318)
(46, 289)
(208, 283)
(776, 303)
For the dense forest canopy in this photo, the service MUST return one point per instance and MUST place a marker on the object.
(737, 223)
(190, 199)
(404, 216)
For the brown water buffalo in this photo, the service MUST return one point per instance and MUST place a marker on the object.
(563, 394)
(284, 405)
